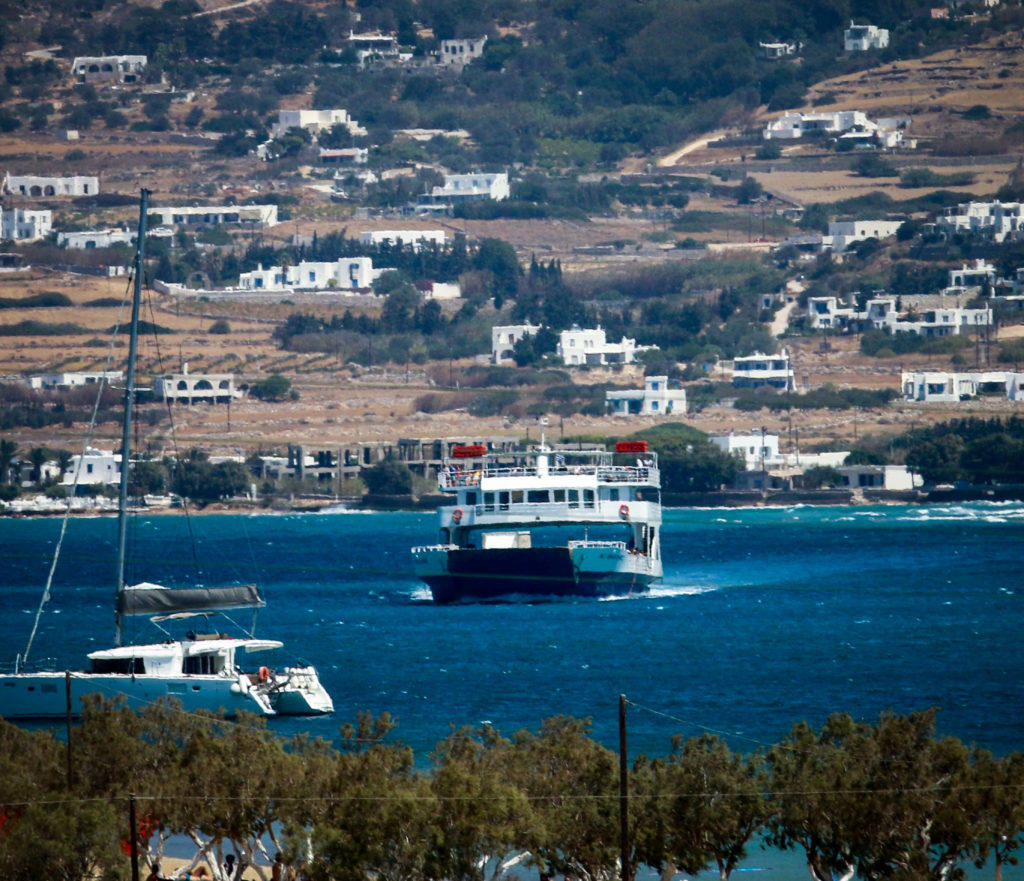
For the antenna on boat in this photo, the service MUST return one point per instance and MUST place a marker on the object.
(543, 422)
(129, 401)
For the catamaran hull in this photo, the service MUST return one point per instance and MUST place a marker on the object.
(44, 695)
(500, 574)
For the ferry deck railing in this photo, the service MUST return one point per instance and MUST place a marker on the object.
(454, 479)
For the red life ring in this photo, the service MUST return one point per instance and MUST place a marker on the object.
(264, 674)
(623, 510)
(457, 515)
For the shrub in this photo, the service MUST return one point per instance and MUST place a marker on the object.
(220, 326)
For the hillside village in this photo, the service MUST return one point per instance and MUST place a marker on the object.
(818, 288)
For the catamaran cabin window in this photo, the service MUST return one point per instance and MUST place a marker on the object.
(124, 666)
(536, 496)
(203, 664)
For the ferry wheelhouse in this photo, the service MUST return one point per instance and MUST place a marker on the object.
(545, 522)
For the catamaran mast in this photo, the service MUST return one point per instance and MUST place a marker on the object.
(129, 401)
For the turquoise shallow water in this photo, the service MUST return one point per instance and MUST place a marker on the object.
(765, 618)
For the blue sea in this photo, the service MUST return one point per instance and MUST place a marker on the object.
(766, 617)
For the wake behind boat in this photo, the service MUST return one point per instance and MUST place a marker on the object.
(203, 671)
(493, 538)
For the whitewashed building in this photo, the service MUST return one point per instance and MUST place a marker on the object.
(504, 338)
(40, 187)
(315, 121)
(216, 215)
(864, 37)
(580, 347)
(794, 125)
(407, 238)
(778, 50)
(344, 156)
(758, 370)
(998, 220)
(895, 478)
(194, 388)
(108, 68)
(371, 47)
(457, 53)
(346, 273)
(73, 380)
(975, 276)
(84, 240)
(25, 224)
(465, 188)
(757, 450)
(844, 233)
(941, 386)
(93, 467)
(657, 397)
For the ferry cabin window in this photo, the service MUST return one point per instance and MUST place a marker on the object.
(613, 495)
(537, 496)
(503, 500)
(588, 498)
(559, 495)
(471, 498)
(517, 497)
(489, 501)
(574, 498)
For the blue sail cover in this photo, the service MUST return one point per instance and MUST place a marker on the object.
(153, 599)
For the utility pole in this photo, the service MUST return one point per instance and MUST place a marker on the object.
(764, 482)
(623, 794)
(133, 838)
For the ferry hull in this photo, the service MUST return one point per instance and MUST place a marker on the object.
(498, 574)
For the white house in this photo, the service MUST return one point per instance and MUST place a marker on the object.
(440, 290)
(1000, 220)
(757, 450)
(972, 276)
(864, 37)
(778, 50)
(374, 47)
(73, 380)
(465, 188)
(579, 347)
(456, 53)
(846, 232)
(95, 238)
(828, 312)
(112, 68)
(92, 468)
(407, 238)
(39, 187)
(504, 338)
(315, 121)
(797, 125)
(655, 398)
(25, 224)
(217, 215)
(927, 386)
(758, 369)
(192, 388)
(344, 156)
(896, 478)
(346, 273)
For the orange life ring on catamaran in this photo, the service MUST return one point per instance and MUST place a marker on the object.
(457, 515)
(264, 674)
(623, 510)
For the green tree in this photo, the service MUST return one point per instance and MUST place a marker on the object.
(273, 388)
(388, 477)
(716, 804)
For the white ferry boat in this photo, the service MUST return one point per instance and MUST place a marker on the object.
(501, 538)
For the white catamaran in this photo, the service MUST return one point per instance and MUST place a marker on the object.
(203, 671)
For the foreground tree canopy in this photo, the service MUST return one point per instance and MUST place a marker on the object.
(888, 800)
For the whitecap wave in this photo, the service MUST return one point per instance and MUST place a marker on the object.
(663, 591)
